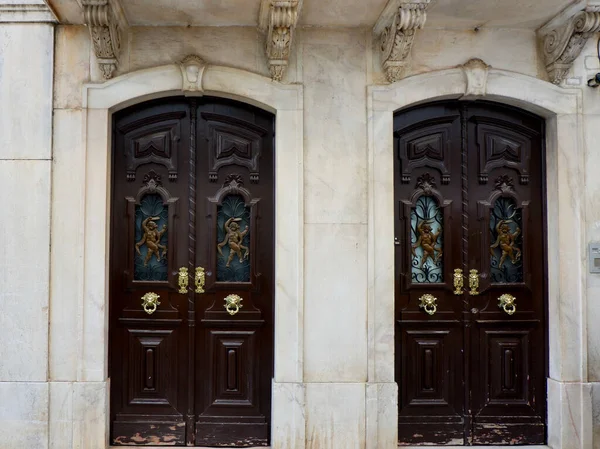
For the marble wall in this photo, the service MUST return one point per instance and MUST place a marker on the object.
(343, 395)
(26, 65)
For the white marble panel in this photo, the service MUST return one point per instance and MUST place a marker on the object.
(71, 65)
(592, 215)
(381, 252)
(382, 416)
(335, 311)
(596, 415)
(568, 355)
(26, 69)
(61, 415)
(334, 76)
(436, 49)
(569, 415)
(289, 252)
(23, 415)
(335, 416)
(288, 416)
(24, 270)
(78, 414)
(97, 217)
(239, 47)
(90, 412)
(68, 202)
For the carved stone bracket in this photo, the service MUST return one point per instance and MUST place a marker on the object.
(278, 18)
(107, 24)
(396, 29)
(563, 38)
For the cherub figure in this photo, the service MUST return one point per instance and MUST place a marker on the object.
(234, 237)
(152, 238)
(427, 241)
(506, 242)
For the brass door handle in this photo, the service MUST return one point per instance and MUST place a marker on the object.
(473, 282)
(150, 302)
(428, 303)
(507, 303)
(200, 279)
(183, 280)
(233, 304)
(458, 281)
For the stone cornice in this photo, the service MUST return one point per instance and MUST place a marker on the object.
(108, 26)
(27, 12)
(396, 29)
(278, 19)
(563, 38)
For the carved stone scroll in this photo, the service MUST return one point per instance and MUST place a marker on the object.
(564, 37)
(396, 29)
(278, 19)
(107, 24)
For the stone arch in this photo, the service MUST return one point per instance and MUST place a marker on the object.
(566, 240)
(193, 78)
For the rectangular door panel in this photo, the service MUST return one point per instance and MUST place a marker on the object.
(147, 338)
(506, 411)
(150, 411)
(431, 389)
(429, 331)
(508, 345)
(235, 245)
(232, 415)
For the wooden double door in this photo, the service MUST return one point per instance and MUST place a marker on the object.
(471, 352)
(191, 274)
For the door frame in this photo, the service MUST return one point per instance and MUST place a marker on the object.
(569, 396)
(193, 77)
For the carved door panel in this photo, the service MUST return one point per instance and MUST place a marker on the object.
(192, 186)
(148, 242)
(429, 335)
(235, 241)
(486, 361)
(508, 345)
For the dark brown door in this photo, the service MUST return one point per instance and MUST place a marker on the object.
(471, 355)
(191, 274)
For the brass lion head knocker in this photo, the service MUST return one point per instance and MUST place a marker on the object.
(150, 302)
(507, 303)
(233, 304)
(428, 303)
